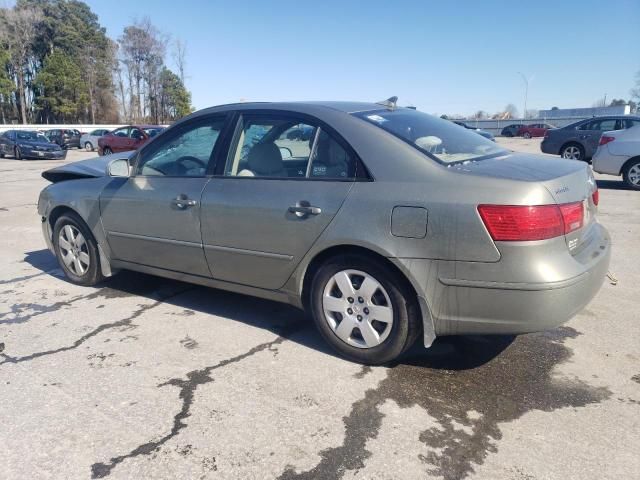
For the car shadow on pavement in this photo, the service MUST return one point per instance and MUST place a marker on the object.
(446, 353)
(613, 185)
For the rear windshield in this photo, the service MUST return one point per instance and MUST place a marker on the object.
(440, 139)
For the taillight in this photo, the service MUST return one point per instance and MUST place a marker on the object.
(595, 196)
(508, 223)
(604, 139)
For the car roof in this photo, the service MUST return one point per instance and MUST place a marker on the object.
(302, 107)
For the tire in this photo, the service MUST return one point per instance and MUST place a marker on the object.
(631, 174)
(83, 267)
(573, 151)
(527, 135)
(88, 147)
(17, 153)
(107, 151)
(384, 340)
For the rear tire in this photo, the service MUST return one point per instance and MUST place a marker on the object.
(88, 147)
(631, 174)
(384, 296)
(573, 151)
(77, 250)
(107, 151)
(527, 135)
(17, 153)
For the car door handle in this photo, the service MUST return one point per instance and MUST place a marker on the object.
(304, 208)
(183, 202)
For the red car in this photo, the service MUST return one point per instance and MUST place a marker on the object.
(534, 130)
(127, 138)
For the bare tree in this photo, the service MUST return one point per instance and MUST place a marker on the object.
(20, 27)
(179, 54)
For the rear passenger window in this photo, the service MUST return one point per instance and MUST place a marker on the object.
(283, 147)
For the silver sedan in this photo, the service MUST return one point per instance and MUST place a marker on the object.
(386, 224)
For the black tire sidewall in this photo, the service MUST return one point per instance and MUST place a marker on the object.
(93, 274)
(403, 314)
(17, 153)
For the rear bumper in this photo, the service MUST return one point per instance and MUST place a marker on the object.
(549, 147)
(604, 162)
(521, 293)
(480, 307)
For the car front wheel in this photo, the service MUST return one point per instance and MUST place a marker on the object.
(17, 153)
(76, 250)
(364, 310)
(631, 174)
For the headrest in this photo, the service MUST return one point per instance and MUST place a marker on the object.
(265, 159)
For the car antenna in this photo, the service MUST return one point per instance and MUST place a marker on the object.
(390, 102)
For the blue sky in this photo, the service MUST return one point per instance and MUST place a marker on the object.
(443, 57)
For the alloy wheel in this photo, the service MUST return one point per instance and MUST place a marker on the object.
(572, 152)
(88, 147)
(74, 250)
(357, 308)
(633, 175)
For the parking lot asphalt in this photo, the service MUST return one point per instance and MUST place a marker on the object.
(150, 378)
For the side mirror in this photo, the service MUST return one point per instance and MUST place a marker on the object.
(118, 168)
(285, 152)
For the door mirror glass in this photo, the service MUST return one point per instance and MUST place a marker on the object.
(119, 168)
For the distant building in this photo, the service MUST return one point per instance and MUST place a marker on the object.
(585, 112)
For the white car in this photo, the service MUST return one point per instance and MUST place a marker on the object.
(90, 140)
(618, 153)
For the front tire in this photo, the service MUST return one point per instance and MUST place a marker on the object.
(17, 153)
(527, 135)
(77, 250)
(631, 174)
(363, 309)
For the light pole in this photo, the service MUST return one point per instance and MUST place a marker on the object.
(526, 92)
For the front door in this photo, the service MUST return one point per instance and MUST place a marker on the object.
(153, 217)
(278, 191)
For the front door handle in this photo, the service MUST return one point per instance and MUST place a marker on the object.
(183, 202)
(304, 208)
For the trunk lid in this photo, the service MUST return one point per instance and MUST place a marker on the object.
(568, 181)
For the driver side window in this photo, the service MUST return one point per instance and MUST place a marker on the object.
(183, 153)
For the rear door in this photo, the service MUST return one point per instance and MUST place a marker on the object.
(153, 217)
(261, 213)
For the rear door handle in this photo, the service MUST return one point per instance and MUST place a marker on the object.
(183, 202)
(304, 208)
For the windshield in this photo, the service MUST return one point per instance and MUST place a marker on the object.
(31, 136)
(440, 139)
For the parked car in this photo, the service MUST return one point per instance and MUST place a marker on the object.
(479, 131)
(90, 140)
(23, 144)
(126, 138)
(366, 228)
(618, 153)
(534, 130)
(579, 140)
(511, 130)
(66, 138)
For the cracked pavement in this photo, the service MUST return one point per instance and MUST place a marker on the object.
(144, 377)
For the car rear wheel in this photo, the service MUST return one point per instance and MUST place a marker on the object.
(76, 250)
(88, 147)
(631, 174)
(526, 135)
(363, 310)
(107, 151)
(572, 152)
(17, 153)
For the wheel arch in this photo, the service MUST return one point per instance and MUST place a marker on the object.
(627, 163)
(345, 249)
